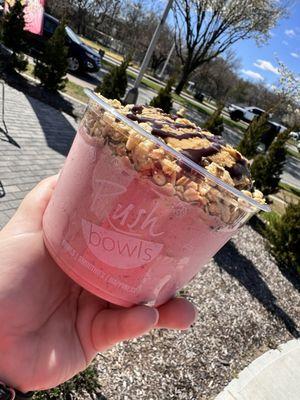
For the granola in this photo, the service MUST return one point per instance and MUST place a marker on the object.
(207, 150)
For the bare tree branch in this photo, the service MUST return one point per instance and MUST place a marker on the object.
(207, 28)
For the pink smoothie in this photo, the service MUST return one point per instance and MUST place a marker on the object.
(119, 235)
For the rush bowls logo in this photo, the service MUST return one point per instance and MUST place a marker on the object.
(129, 235)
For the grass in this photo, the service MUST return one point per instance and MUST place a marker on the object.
(269, 217)
(30, 70)
(290, 189)
(293, 153)
(98, 46)
(76, 91)
(71, 88)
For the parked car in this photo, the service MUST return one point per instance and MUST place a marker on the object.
(295, 135)
(246, 114)
(80, 56)
(199, 96)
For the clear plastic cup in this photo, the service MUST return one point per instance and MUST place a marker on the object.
(128, 237)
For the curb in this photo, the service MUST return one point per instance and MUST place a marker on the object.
(273, 376)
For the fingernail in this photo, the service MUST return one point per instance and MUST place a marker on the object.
(155, 316)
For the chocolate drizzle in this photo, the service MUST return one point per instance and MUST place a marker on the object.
(239, 169)
(196, 155)
(137, 109)
(236, 171)
(166, 134)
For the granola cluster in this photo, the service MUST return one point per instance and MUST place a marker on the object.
(204, 148)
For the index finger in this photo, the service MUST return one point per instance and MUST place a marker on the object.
(178, 313)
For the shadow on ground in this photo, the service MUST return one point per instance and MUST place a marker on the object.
(5, 137)
(58, 131)
(2, 190)
(238, 266)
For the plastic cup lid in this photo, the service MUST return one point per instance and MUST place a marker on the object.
(181, 157)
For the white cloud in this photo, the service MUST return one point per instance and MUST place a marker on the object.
(290, 33)
(266, 66)
(285, 42)
(295, 55)
(273, 88)
(253, 75)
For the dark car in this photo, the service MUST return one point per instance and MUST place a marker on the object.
(199, 96)
(80, 56)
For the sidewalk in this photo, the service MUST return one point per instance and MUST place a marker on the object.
(34, 146)
(273, 376)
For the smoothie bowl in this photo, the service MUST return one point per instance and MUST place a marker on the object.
(144, 201)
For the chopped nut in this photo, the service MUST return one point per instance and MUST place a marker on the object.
(247, 193)
(180, 189)
(133, 140)
(213, 209)
(157, 154)
(192, 185)
(169, 166)
(191, 195)
(225, 214)
(159, 178)
(182, 181)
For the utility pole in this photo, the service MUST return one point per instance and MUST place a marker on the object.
(161, 74)
(133, 93)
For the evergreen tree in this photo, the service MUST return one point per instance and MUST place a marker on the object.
(214, 123)
(256, 129)
(283, 234)
(164, 98)
(13, 35)
(114, 83)
(266, 169)
(51, 69)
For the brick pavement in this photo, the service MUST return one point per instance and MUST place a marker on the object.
(39, 139)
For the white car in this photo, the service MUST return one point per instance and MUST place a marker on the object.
(295, 135)
(246, 114)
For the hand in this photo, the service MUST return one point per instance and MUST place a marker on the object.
(50, 328)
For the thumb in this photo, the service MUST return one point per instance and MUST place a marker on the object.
(113, 326)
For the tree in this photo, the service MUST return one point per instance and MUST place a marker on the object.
(283, 234)
(164, 98)
(214, 123)
(217, 77)
(13, 35)
(251, 139)
(135, 32)
(289, 91)
(61, 9)
(267, 169)
(114, 83)
(205, 29)
(52, 68)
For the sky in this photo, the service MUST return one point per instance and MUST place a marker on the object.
(259, 63)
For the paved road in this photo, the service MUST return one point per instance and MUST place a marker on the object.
(291, 174)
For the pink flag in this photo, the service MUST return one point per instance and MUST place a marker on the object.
(33, 13)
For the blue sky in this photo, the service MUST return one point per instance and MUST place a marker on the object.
(259, 64)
